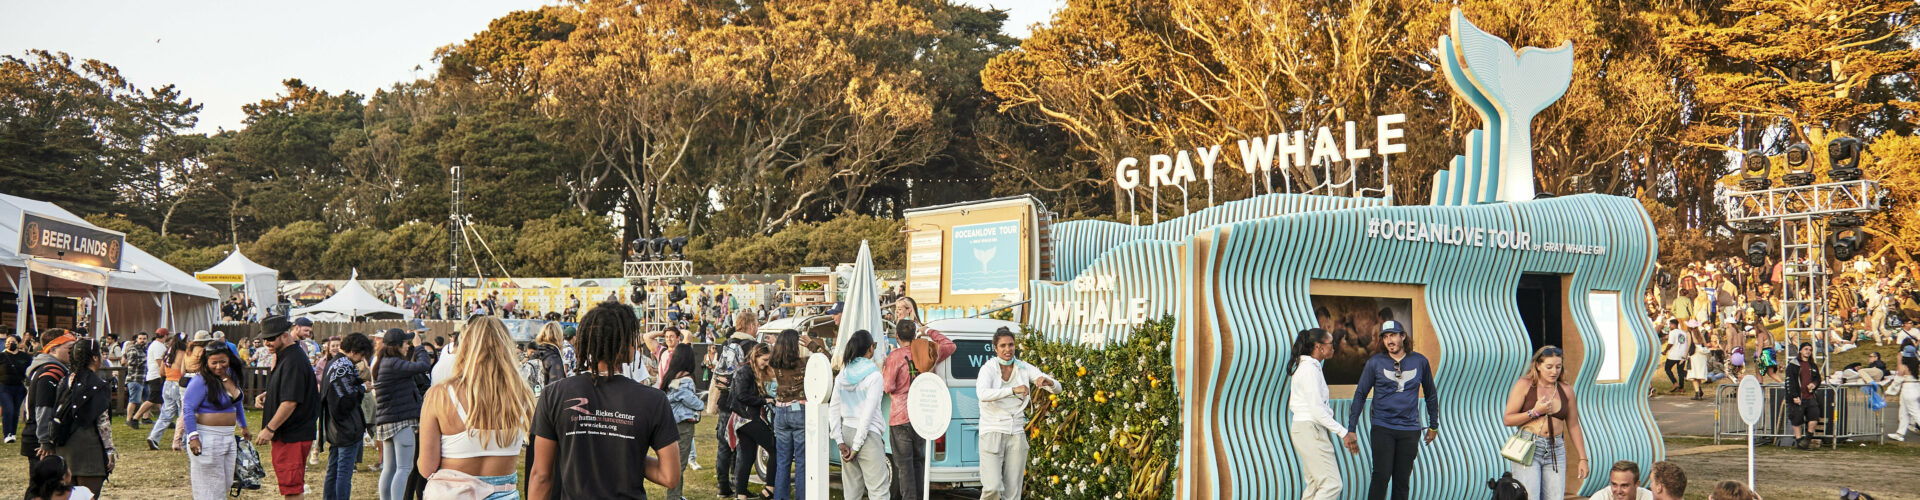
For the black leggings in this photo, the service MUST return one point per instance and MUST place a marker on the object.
(1669, 367)
(1393, 454)
(753, 436)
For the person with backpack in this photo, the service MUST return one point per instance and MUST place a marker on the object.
(341, 394)
(82, 430)
(397, 409)
(678, 384)
(924, 352)
(727, 360)
(544, 364)
(44, 375)
(214, 415)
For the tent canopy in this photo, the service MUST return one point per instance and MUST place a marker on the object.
(351, 301)
(139, 271)
(262, 282)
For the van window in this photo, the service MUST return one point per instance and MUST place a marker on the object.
(969, 356)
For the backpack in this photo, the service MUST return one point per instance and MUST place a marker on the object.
(74, 406)
(730, 358)
(536, 377)
(1507, 488)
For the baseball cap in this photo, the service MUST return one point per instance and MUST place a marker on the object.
(303, 321)
(396, 335)
(1392, 326)
(838, 307)
(418, 325)
(1907, 352)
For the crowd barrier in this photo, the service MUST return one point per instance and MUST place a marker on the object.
(1848, 417)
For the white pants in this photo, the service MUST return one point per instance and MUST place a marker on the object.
(868, 469)
(1909, 407)
(1310, 441)
(1003, 465)
(211, 472)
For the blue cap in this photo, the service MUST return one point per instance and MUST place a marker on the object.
(303, 321)
(419, 325)
(1907, 352)
(838, 307)
(1392, 326)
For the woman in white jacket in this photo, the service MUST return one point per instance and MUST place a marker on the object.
(854, 421)
(1005, 387)
(1904, 384)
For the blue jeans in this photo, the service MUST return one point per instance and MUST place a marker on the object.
(136, 393)
(789, 455)
(170, 394)
(340, 463)
(11, 396)
(396, 462)
(1547, 477)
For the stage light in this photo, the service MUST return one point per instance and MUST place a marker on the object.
(679, 244)
(678, 292)
(659, 248)
(1844, 156)
(1846, 220)
(639, 294)
(1844, 243)
(1797, 168)
(637, 249)
(1756, 171)
(1758, 247)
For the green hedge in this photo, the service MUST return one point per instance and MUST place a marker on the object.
(1114, 430)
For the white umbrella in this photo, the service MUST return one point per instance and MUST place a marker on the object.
(861, 310)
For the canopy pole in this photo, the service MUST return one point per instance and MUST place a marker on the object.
(23, 295)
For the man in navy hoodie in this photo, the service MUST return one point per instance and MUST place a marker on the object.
(1393, 376)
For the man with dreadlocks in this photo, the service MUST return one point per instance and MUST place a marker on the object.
(594, 429)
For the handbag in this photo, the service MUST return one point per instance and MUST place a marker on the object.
(247, 470)
(449, 484)
(1518, 448)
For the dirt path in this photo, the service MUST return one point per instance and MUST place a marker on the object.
(1790, 473)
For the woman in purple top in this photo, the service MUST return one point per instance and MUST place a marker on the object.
(213, 415)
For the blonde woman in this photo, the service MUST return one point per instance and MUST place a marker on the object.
(472, 426)
(1544, 405)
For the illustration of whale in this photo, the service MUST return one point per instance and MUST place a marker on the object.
(1507, 89)
(985, 255)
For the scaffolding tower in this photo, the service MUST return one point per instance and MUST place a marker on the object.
(1803, 216)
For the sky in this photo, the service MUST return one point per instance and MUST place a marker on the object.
(224, 54)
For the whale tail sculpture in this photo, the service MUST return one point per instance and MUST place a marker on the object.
(1507, 89)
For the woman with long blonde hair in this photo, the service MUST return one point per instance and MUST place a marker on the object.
(472, 426)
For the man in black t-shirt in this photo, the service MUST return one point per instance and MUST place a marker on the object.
(594, 430)
(289, 405)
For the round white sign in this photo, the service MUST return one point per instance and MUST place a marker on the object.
(929, 405)
(1751, 399)
(819, 377)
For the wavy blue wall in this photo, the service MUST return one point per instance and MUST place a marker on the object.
(1078, 243)
(1262, 273)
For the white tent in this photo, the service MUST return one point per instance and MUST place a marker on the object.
(351, 301)
(262, 283)
(146, 293)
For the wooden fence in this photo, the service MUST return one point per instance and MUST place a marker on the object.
(322, 331)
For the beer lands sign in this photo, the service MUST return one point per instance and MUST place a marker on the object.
(46, 237)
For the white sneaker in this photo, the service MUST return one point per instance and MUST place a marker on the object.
(1897, 437)
(9, 439)
(694, 466)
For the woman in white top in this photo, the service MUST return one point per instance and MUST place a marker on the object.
(472, 426)
(1904, 384)
(854, 421)
(1005, 387)
(1312, 417)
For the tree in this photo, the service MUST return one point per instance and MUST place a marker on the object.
(295, 249)
(79, 136)
(567, 245)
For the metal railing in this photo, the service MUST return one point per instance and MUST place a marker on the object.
(1847, 416)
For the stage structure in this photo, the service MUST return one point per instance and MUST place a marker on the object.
(653, 264)
(1486, 275)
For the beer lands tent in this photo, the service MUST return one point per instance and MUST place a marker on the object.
(352, 300)
(262, 283)
(146, 293)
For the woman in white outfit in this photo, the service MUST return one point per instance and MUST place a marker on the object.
(1312, 417)
(854, 421)
(1904, 384)
(1005, 388)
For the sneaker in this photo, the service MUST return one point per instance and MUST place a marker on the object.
(153, 445)
(694, 466)
(133, 424)
(9, 439)
(1897, 437)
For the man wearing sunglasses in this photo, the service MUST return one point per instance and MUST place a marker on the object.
(1393, 376)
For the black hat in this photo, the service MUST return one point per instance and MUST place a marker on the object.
(396, 336)
(275, 325)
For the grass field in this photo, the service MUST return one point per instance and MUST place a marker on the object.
(157, 475)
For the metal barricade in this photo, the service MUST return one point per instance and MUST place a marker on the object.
(1847, 415)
